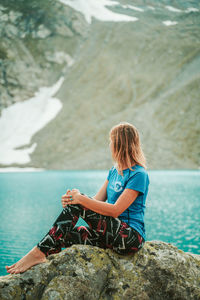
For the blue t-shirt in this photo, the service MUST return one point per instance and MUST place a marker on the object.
(137, 180)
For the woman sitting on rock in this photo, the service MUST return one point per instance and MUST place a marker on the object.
(117, 223)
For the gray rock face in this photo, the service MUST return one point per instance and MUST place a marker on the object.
(143, 72)
(27, 32)
(158, 271)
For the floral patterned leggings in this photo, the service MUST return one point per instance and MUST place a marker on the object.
(102, 231)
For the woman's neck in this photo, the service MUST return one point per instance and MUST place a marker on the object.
(124, 167)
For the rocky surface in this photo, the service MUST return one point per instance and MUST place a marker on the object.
(38, 43)
(158, 271)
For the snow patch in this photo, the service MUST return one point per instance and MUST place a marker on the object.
(191, 9)
(20, 121)
(169, 23)
(133, 7)
(171, 8)
(97, 9)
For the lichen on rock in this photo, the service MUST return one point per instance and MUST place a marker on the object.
(158, 271)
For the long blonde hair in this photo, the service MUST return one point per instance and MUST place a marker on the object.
(127, 148)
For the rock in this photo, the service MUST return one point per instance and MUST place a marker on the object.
(42, 32)
(28, 31)
(158, 271)
(14, 16)
(11, 30)
(59, 58)
(4, 17)
(64, 30)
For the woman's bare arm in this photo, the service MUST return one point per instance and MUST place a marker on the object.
(102, 193)
(124, 201)
(108, 209)
(104, 208)
(100, 196)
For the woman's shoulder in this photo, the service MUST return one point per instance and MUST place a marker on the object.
(128, 172)
(112, 168)
(138, 169)
(110, 172)
(141, 174)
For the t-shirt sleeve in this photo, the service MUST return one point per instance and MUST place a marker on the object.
(138, 182)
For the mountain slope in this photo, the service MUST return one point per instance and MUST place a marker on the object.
(144, 72)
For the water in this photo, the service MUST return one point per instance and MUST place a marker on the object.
(30, 202)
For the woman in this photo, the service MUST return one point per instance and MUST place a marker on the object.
(117, 223)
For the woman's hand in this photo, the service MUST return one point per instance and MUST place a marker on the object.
(70, 197)
(63, 200)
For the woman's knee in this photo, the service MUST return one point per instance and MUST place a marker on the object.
(73, 207)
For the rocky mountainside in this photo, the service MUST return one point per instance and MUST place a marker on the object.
(38, 41)
(144, 71)
(158, 271)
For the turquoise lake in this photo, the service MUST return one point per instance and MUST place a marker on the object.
(31, 201)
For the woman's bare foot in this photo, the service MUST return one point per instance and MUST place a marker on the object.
(34, 257)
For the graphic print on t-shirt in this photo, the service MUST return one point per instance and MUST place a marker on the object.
(118, 186)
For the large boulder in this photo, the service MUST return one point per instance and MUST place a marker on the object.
(158, 271)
